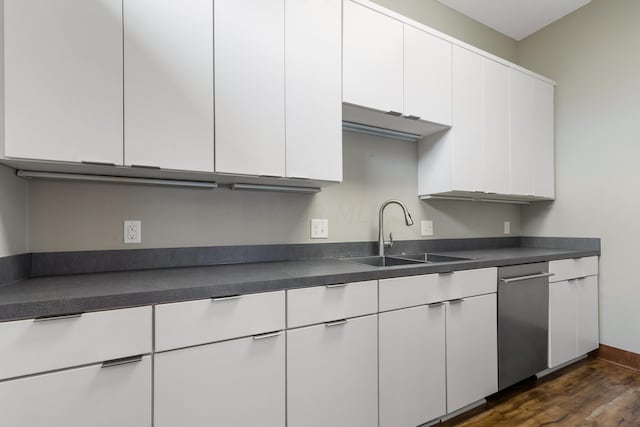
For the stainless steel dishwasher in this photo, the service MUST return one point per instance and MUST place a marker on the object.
(523, 322)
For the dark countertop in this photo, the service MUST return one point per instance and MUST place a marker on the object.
(49, 296)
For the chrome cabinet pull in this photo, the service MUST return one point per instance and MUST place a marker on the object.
(336, 323)
(533, 276)
(145, 166)
(91, 162)
(122, 361)
(58, 317)
(267, 335)
(456, 301)
(436, 304)
(227, 298)
(339, 285)
(412, 117)
(446, 273)
(394, 113)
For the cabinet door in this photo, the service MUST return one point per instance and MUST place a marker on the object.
(168, 72)
(467, 120)
(427, 76)
(236, 383)
(314, 89)
(562, 322)
(249, 87)
(373, 59)
(496, 127)
(523, 131)
(63, 80)
(542, 114)
(472, 350)
(332, 374)
(587, 323)
(412, 366)
(91, 396)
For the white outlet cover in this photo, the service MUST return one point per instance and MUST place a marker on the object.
(319, 228)
(132, 231)
(507, 227)
(426, 228)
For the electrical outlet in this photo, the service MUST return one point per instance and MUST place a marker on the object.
(319, 228)
(507, 227)
(132, 232)
(426, 228)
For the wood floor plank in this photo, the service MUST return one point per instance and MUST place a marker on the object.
(591, 393)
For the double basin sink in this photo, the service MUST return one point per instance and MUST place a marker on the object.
(405, 259)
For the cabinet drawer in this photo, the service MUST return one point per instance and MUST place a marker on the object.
(331, 302)
(32, 346)
(184, 324)
(90, 396)
(566, 269)
(410, 291)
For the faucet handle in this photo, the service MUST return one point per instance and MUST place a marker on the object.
(389, 243)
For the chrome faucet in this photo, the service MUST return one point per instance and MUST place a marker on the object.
(382, 244)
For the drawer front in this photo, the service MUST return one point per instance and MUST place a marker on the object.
(32, 346)
(575, 268)
(89, 396)
(184, 324)
(410, 291)
(326, 303)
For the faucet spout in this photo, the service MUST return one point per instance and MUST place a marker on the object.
(382, 244)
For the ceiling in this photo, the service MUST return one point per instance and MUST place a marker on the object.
(515, 18)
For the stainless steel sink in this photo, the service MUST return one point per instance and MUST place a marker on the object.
(432, 258)
(384, 261)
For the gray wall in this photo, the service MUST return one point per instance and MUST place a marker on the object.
(593, 56)
(13, 213)
(442, 18)
(83, 216)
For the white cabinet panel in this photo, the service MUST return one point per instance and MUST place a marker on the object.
(168, 74)
(467, 120)
(332, 375)
(326, 303)
(562, 322)
(239, 383)
(427, 76)
(412, 366)
(250, 87)
(496, 127)
(184, 324)
(90, 396)
(373, 59)
(472, 350)
(30, 346)
(313, 50)
(544, 155)
(588, 336)
(63, 80)
(522, 134)
(575, 268)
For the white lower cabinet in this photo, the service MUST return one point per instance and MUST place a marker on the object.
(573, 319)
(97, 396)
(472, 350)
(412, 366)
(239, 383)
(332, 374)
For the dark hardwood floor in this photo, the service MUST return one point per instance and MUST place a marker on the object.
(591, 393)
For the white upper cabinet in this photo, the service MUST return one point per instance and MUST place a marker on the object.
(63, 80)
(395, 76)
(373, 59)
(250, 87)
(278, 88)
(496, 127)
(168, 74)
(313, 63)
(427, 76)
(467, 120)
(532, 136)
